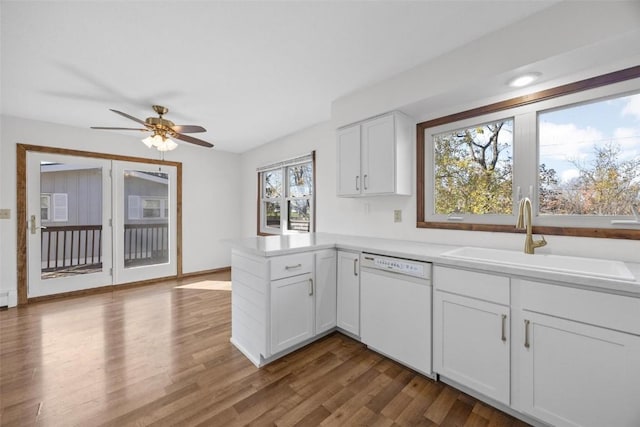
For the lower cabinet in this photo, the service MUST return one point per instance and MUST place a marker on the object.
(471, 344)
(348, 316)
(292, 311)
(325, 290)
(572, 374)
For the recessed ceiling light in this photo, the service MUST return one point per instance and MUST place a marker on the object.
(524, 79)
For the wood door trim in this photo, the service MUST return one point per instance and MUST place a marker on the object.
(21, 205)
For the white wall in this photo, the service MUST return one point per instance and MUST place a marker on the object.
(598, 30)
(210, 190)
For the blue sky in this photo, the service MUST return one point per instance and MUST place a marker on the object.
(571, 133)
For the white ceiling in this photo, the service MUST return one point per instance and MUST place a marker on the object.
(249, 72)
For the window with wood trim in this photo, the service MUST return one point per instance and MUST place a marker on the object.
(286, 196)
(573, 150)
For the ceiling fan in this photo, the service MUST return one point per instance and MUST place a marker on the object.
(162, 129)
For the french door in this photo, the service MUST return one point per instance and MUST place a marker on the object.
(95, 222)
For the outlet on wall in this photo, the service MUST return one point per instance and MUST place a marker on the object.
(397, 215)
(5, 213)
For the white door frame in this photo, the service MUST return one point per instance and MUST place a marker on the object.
(37, 286)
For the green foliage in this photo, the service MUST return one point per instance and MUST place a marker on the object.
(473, 172)
(608, 185)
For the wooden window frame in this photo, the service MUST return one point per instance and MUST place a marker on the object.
(579, 86)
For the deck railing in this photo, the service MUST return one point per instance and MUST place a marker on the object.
(78, 246)
(146, 243)
(71, 246)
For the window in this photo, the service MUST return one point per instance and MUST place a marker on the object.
(574, 152)
(45, 207)
(286, 197)
(54, 207)
(142, 207)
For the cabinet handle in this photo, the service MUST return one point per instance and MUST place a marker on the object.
(355, 267)
(291, 267)
(526, 334)
(310, 286)
(364, 180)
(504, 327)
(357, 182)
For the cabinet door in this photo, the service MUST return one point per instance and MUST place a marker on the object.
(292, 311)
(574, 374)
(379, 156)
(349, 180)
(325, 290)
(471, 344)
(349, 292)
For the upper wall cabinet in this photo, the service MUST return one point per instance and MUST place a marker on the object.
(374, 156)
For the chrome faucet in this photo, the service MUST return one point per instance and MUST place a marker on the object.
(524, 222)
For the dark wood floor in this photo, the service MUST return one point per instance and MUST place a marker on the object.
(160, 355)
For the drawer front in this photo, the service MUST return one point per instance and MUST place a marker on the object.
(611, 311)
(472, 284)
(291, 265)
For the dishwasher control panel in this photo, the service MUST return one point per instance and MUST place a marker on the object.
(397, 265)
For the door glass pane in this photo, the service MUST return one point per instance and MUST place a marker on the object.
(71, 219)
(299, 215)
(146, 218)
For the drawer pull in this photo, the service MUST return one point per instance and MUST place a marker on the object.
(291, 267)
(526, 334)
(310, 286)
(355, 267)
(504, 328)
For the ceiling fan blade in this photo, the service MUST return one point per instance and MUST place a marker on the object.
(129, 116)
(110, 128)
(188, 129)
(187, 138)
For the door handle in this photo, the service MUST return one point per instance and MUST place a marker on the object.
(355, 267)
(364, 180)
(504, 328)
(33, 226)
(526, 334)
(310, 286)
(357, 182)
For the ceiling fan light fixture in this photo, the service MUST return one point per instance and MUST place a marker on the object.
(161, 143)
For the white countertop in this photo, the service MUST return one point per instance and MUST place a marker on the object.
(268, 246)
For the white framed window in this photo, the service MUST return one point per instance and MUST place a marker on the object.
(576, 156)
(147, 207)
(286, 192)
(45, 207)
(54, 207)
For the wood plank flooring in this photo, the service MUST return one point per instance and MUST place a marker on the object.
(160, 355)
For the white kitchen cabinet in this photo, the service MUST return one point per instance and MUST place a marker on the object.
(572, 374)
(349, 180)
(325, 290)
(374, 156)
(471, 344)
(348, 316)
(292, 311)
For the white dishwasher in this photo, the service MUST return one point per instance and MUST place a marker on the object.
(395, 309)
